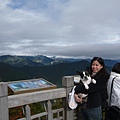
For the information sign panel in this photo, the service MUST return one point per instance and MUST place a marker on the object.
(30, 85)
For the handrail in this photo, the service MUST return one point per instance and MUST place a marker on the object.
(25, 99)
(28, 98)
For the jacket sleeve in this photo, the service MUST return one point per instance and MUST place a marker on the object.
(100, 85)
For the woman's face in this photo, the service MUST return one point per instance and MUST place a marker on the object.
(96, 66)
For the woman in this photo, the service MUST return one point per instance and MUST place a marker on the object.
(96, 92)
(115, 96)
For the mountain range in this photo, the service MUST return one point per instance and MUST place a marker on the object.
(13, 68)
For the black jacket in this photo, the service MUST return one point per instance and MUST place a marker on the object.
(95, 91)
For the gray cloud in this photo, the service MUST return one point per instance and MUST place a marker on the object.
(66, 28)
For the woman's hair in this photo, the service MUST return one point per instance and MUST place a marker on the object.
(116, 68)
(103, 70)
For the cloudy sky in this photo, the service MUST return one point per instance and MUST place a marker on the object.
(64, 28)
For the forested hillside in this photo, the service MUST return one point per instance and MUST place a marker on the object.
(53, 73)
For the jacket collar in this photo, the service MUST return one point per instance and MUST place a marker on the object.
(115, 74)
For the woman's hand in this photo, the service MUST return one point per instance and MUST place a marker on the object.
(77, 98)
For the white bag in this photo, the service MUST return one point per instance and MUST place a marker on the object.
(71, 101)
